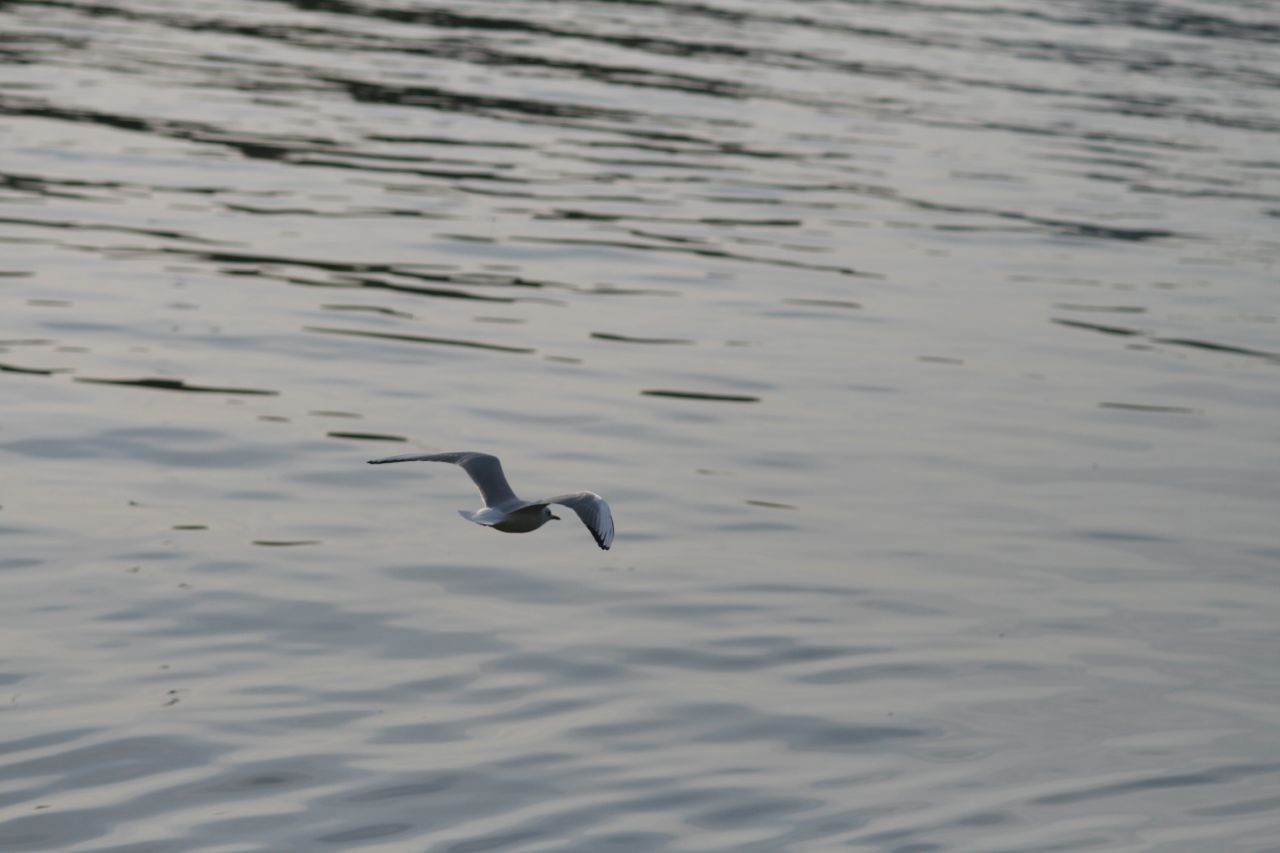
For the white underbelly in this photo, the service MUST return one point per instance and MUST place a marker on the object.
(522, 521)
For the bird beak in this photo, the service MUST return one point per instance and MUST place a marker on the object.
(555, 518)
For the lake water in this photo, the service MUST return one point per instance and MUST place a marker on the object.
(928, 354)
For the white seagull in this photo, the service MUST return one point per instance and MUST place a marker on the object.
(504, 511)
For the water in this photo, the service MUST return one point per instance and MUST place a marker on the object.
(927, 354)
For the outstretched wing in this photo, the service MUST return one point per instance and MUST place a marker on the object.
(485, 472)
(593, 511)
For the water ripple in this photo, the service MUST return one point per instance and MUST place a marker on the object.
(981, 278)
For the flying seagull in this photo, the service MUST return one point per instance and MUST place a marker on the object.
(504, 511)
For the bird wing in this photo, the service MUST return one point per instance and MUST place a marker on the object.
(594, 512)
(485, 471)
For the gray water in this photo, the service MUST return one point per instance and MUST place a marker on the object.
(927, 353)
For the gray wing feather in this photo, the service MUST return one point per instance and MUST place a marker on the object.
(594, 512)
(485, 471)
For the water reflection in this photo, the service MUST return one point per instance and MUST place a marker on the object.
(178, 385)
(701, 395)
(1122, 331)
(417, 339)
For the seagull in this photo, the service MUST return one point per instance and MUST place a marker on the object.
(504, 511)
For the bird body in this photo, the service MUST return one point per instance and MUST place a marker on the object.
(504, 511)
(520, 520)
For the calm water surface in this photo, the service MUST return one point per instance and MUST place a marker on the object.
(928, 353)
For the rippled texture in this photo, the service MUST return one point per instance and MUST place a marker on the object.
(927, 353)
